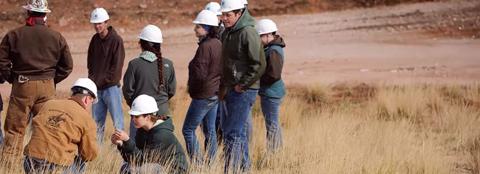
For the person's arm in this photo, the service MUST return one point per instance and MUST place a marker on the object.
(255, 58)
(5, 60)
(88, 147)
(128, 87)
(273, 71)
(172, 83)
(114, 74)
(65, 63)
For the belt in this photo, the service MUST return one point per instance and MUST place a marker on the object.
(26, 78)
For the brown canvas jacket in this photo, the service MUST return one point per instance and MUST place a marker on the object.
(61, 130)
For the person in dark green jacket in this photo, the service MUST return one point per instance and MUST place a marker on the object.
(150, 73)
(244, 64)
(155, 146)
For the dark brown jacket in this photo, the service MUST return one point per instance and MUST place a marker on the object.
(205, 69)
(105, 59)
(37, 52)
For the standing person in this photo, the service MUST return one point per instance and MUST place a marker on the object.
(154, 143)
(272, 88)
(217, 9)
(150, 73)
(62, 131)
(244, 63)
(33, 58)
(203, 85)
(105, 62)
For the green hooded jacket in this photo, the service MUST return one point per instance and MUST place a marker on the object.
(242, 54)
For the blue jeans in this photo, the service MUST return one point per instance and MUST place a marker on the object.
(234, 128)
(201, 111)
(111, 99)
(271, 109)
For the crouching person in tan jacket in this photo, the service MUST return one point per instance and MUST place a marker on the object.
(64, 133)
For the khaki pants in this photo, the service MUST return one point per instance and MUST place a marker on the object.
(26, 98)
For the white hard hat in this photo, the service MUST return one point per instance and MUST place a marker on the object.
(151, 33)
(245, 2)
(40, 6)
(99, 15)
(230, 5)
(266, 26)
(206, 17)
(214, 7)
(87, 84)
(143, 104)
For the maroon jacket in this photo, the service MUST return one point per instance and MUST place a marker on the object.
(37, 52)
(105, 59)
(205, 69)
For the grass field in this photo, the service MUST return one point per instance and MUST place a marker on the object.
(354, 128)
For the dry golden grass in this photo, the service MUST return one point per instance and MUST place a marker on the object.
(354, 128)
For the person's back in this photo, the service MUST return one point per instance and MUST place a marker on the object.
(145, 77)
(59, 130)
(33, 58)
(35, 52)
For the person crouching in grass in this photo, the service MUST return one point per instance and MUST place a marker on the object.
(154, 145)
(64, 133)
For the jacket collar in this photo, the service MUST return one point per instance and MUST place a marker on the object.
(245, 20)
(148, 56)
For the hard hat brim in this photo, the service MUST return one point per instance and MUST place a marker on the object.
(137, 113)
(29, 8)
(98, 21)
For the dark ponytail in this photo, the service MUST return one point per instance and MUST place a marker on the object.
(155, 48)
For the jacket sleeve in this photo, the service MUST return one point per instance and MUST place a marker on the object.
(88, 147)
(90, 59)
(5, 60)
(172, 83)
(255, 58)
(199, 66)
(129, 151)
(115, 72)
(65, 63)
(273, 71)
(129, 84)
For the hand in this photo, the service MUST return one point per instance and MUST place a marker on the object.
(122, 135)
(239, 89)
(114, 139)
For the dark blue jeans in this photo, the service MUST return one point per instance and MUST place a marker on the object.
(271, 110)
(201, 111)
(234, 126)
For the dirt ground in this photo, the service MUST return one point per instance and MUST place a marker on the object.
(432, 42)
